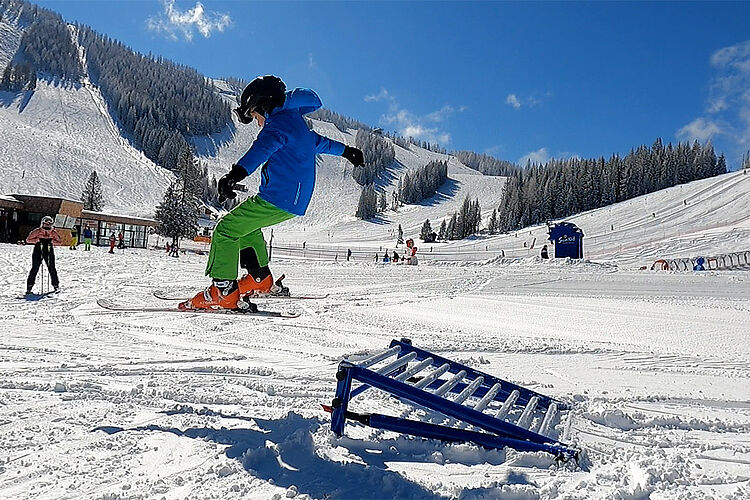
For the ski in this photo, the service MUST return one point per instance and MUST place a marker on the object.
(36, 296)
(173, 295)
(112, 306)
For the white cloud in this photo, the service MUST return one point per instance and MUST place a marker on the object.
(539, 156)
(527, 102)
(700, 130)
(443, 113)
(409, 124)
(727, 111)
(174, 23)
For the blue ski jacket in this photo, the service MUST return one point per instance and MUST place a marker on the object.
(288, 148)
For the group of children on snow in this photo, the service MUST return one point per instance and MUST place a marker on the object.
(410, 256)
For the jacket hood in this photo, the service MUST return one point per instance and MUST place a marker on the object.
(303, 100)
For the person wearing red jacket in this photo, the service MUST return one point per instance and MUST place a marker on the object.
(43, 238)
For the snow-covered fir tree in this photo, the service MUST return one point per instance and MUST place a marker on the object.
(492, 224)
(442, 230)
(378, 153)
(423, 182)
(367, 207)
(561, 188)
(179, 210)
(93, 194)
(426, 233)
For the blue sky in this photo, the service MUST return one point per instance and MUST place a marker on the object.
(514, 80)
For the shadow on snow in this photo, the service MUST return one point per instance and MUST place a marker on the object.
(283, 450)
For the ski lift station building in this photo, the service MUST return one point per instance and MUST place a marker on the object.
(20, 213)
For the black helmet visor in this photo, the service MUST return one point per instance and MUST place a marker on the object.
(244, 115)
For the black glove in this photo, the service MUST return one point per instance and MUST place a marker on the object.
(228, 182)
(354, 155)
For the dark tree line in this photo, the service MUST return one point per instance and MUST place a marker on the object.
(18, 77)
(379, 154)
(463, 223)
(561, 188)
(486, 164)
(340, 121)
(415, 186)
(399, 141)
(157, 102)
(423, 182)
(367, 207)
(429, 146)
(46, 43)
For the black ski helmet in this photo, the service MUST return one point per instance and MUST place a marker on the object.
(261, 95)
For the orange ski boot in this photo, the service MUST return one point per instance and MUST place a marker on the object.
(222, 294)
(259, 283)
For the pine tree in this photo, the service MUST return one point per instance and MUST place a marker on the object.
(451, 232)
(442, 230)
(492, 226)
(383, 203)
(367, 207)
(92, 195)
(178, 212)
(426, 233)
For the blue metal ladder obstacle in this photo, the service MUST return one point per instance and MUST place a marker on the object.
(500, 412)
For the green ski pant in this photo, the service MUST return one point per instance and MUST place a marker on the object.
(239, 229)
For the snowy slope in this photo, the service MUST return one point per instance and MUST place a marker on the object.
(705, 217)
(51, 139)
(103, 405)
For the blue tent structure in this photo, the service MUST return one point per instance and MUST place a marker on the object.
(567, 238)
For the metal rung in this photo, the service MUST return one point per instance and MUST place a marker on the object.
(465, 404)
(414, 369)
(470, 389)
(528, 413)
(432, 376)
(549, 417)
(485, 401)
(379, 357)
(397, 363)
(503, 412)
(450, 384)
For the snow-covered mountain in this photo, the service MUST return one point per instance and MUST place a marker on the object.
(52, 138)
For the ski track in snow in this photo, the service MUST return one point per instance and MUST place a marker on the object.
(101, 404)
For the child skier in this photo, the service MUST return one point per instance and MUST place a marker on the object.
(286, 148)
(43, 238)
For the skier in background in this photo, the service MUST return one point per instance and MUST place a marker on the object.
(87, 235)
(112, 242)
(73, 238)
(286, 148)
(43, 238)
(544, 253)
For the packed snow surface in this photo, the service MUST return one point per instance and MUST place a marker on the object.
(110, 405)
